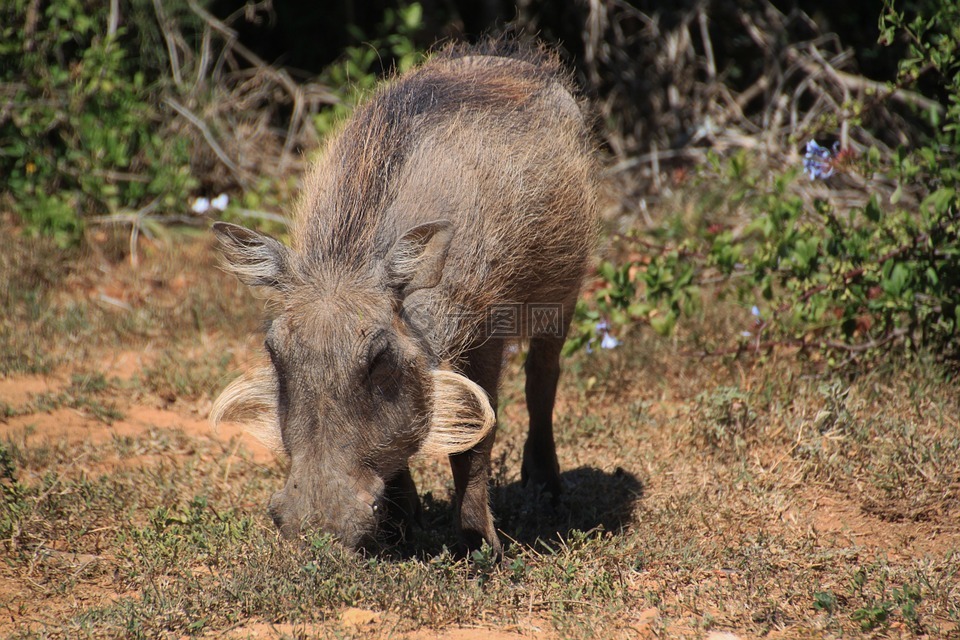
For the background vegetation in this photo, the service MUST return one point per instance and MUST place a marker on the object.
(124, 113)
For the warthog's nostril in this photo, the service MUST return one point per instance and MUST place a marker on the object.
(277, 520)
(273, 509)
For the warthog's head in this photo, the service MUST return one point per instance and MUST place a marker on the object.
(352, 390)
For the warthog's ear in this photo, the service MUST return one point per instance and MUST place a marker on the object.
(461, 415)
(416, 260)
(257, 259)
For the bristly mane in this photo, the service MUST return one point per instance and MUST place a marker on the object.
(351, 183)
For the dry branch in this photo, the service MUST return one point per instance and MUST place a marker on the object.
(880, 90)
(226, 95)
(208, 136)
(673, 100)
(279, 75)
(168, 37)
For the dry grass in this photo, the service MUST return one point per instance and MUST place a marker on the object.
(756, 497)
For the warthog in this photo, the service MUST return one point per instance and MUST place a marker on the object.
(458, 200)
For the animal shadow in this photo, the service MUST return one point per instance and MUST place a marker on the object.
(591, 500)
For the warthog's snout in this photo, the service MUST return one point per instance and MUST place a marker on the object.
(350, 509)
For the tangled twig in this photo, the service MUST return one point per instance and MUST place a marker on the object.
(672, 97)
(232, 101)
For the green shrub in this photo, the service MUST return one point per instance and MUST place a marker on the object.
(851, 281)
(82, 131)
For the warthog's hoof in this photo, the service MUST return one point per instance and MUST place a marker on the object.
(543, 476)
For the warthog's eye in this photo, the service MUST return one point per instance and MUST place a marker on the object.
(383, 373)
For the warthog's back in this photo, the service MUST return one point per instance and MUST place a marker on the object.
(498, 146)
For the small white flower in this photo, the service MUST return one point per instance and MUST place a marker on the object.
(220, 202)
(200, 205)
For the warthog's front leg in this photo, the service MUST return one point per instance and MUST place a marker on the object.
(471, 476)
(471, 469)
(403, 506)
(540, 467)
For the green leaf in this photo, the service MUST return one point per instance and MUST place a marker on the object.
(872, 209)
(940, 200)
(639, 310)
(897, 194)
(896, 281)
(413, 16)
(607, 271)
(663, 323)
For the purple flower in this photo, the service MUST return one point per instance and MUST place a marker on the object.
(818, 161)
(607, 341)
